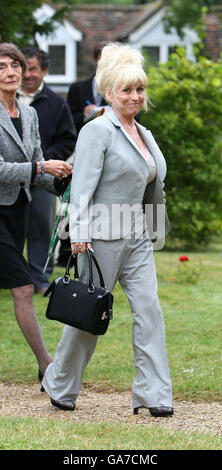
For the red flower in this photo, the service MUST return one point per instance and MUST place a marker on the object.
(183, 258)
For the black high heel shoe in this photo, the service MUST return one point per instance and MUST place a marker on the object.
(66, 406)
(40, 377)
(157, 412)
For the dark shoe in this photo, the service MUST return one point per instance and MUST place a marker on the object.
(63, 406)
(157, 412)
(161, 411)
(40, 377)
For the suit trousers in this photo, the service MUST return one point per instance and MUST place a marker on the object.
(39, 228)
(130, 262)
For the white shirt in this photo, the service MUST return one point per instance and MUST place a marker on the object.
(27, 98)
(96, 94)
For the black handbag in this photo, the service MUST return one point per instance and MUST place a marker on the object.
(83, 306)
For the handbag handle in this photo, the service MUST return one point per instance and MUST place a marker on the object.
(90, 256)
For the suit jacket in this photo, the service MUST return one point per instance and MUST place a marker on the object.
(79, 93)
(56, 128)
(16, 156)
(110, 176)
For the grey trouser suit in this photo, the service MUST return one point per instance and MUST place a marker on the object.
(132, 263)
(109, 169)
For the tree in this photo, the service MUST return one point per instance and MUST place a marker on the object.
(18, 24)
(186, 120)
(187, 13)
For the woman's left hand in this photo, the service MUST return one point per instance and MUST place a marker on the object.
(80, 247)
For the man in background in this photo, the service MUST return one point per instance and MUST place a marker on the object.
(83, 97)
(58, 138)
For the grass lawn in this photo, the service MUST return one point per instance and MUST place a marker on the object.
(192, 312)
(58, 434)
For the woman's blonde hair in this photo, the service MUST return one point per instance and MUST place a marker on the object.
(119, 65)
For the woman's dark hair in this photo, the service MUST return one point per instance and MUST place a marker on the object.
(10, 50)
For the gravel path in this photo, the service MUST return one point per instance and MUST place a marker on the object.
(96, 406)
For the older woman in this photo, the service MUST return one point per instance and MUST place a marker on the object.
(124, 169)
(21, 163)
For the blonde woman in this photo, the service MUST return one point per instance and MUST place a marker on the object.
(118, 167)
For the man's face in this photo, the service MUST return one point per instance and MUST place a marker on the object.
(33, 76)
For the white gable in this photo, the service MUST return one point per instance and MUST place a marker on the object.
(151, 34)
(65, 30)
(64, 38)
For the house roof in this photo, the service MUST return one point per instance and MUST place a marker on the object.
(115, 23)
(106, 23)
(149, 10)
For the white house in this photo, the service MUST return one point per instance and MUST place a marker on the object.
(71, 44)
(150, 35)
(62, 48)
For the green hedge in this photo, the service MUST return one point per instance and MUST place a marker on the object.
(186, 120)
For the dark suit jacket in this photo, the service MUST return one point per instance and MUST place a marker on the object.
(79, 93)
(56, 128)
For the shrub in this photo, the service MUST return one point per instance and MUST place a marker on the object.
(186, 120)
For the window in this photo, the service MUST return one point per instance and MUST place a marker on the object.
(153, 53)
(57, 60)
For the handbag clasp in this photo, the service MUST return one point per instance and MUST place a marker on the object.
(66, 279)
(91, 289)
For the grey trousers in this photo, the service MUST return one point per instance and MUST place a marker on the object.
(132, 263)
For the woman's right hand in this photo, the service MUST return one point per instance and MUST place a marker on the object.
(80, 247)
(57, 168)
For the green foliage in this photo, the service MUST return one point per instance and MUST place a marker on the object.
(185, 13)
(186, 120)
(18, 25)
(20, 14)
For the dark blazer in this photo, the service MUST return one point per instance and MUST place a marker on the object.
(79, 93)
(56, 127)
